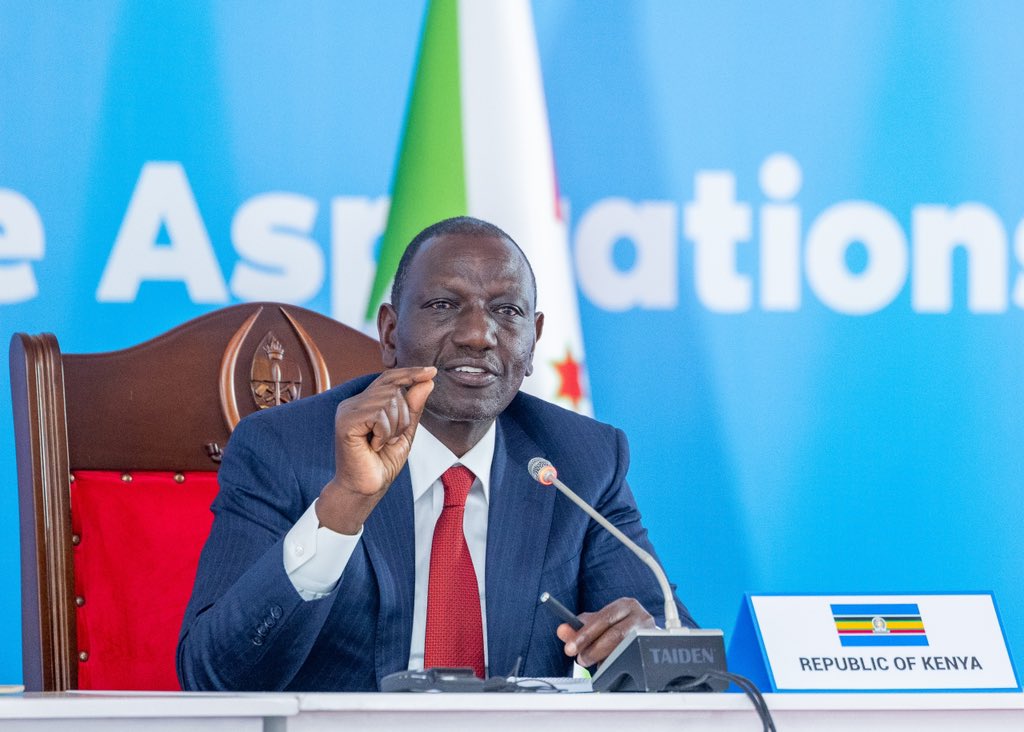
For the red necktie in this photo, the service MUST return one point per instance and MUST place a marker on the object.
(455, 636)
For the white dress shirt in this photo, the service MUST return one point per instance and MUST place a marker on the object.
(315, 556)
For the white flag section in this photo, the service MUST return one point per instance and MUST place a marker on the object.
(511, 181)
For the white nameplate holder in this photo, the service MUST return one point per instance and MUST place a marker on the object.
(872, 643)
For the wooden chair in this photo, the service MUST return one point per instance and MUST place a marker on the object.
(117, 456)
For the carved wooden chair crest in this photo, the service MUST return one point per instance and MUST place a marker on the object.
(117, 456)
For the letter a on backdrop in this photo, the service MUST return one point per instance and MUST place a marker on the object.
(476, 142)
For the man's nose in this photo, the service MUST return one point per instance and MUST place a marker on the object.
(475, 329)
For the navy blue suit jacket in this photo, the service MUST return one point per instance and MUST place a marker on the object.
(246, 628)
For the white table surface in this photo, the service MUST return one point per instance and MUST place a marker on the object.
(649, 712)
(159, 712)
(283, 712)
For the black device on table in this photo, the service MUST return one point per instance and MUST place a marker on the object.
(461, 680)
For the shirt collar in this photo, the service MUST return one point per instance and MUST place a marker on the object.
(429, 458)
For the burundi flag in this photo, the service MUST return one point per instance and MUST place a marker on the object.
(476, 142)
(879, 624)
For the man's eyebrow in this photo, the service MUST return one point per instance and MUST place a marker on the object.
(512, 295)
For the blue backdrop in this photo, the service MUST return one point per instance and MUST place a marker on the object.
(797, 233)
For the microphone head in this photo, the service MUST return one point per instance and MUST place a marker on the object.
(542, 470)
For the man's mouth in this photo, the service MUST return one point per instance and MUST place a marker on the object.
(471, 375)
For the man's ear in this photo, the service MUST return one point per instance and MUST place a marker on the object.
(538, 324)
(387, 322)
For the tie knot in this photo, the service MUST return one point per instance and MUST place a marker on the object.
(457, 480)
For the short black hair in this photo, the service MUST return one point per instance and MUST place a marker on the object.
(455, 225)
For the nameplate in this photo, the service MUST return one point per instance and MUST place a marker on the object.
(921, 642)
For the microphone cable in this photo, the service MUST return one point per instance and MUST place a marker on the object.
(746, 686)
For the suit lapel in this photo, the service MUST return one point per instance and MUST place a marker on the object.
(388, 537)
(519, 523)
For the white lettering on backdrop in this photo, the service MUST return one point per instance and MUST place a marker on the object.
(162, 201)
(21, 240)
(855, 257)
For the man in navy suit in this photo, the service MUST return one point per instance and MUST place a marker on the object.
(324, 570)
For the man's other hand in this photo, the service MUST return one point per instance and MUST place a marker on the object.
(373, 432)
(603, 630)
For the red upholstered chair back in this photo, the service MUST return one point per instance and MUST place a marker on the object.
(117, 456)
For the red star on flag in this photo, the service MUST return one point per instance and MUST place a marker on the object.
(569, 371)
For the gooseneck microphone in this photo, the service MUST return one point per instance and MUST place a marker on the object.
(672, 658)
(544, 472)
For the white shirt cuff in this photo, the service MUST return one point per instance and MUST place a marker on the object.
(315, 556)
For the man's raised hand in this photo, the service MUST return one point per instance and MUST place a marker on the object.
(373, 432)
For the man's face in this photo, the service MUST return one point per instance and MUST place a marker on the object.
(467, 308)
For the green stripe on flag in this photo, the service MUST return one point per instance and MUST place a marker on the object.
(430, 177)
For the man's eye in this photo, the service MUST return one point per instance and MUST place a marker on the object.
(509, 310)
(440, 305)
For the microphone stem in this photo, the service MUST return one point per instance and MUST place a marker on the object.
(671, 612)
